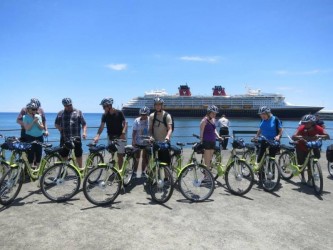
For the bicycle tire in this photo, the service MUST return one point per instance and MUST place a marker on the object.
(56, 179)
(196, 183)
(128, 175)
(173, 162)
(214, 165)
(271, 176)
(247, 155)
(161, 186)
(284, 165)
(7, 183)
(4, 167)
(98, 182)
(239, 177)
(330, 168)
(96, 159)
(317, 178)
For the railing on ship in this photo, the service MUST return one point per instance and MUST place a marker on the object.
(245, 132)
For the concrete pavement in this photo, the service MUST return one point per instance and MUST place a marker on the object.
(290, 218)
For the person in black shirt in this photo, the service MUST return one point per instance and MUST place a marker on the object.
(116, 127)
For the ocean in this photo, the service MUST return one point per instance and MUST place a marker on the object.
(184, 128)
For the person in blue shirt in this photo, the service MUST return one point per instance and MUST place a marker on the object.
(271, 128)
(34, 130)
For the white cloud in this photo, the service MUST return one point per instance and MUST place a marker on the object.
(299, 73)
(211, 59)
(117, 67)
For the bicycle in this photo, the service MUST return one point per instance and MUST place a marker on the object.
(237, 173)
(11, 182)
(62, 180)
(195, 181)
(289, 163)
(102, 185)
(267, 170)
(329, 158)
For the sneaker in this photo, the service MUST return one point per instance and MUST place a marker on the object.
(303, 181)
(134, 175)
(310, 183)
(143, 175)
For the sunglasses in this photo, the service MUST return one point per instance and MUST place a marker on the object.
(34, 109)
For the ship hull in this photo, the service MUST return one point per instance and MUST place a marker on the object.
(289, 113)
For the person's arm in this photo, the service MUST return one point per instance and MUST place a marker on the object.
(123, 132)
(134, 132)
(99, 132)
(169, 132)
(19, 118)
(258, 133)
(202, 128)
(84, 131)
(279, 135)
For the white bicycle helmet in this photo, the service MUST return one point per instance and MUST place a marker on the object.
(264, 110)
(144, 111)
(212, 108)
(158, 100)
(308, 118)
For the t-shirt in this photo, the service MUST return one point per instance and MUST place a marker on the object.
(141, 127)
(268, 127)
(71, 122)
(223, 123)
(160, 130)
(114, 123)
(35, 131)
(23, 112)
(315, 130)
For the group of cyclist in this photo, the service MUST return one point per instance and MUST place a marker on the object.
(158, 126)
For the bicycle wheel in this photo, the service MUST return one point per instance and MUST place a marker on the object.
(51, 159)
(247, 156)
(196, 183)
(216, 161)
(161, 185)
(317, 178)
(101, 186)
(284, 165)
(239, 177)
(96, 159)
(131, 161)
(173, 167)
(10, 185)
(60, 182)
(330, 168)
(4, 167)
(270, 177)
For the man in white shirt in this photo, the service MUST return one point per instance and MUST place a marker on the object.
(224, 124)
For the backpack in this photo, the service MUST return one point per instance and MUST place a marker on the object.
(164, 120)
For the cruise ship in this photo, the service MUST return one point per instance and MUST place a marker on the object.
(183, 104)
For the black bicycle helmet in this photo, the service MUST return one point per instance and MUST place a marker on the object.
(264, 110)
(66, 101)
(158, 100)
(35, 100)
(212, 108)
(144, 111)
(106, 101)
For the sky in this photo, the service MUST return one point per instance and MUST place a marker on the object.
(91, 49)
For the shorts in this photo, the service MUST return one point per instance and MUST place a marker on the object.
(208, 145)
(120, 147)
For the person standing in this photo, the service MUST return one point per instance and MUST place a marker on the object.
(116, 127)
(141, 128)
(224, 124)
(208, 134)
(23, 112)
(34, 129)
(69, 122)
(161, 131)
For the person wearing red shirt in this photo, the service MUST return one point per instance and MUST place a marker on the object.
(308, 131)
